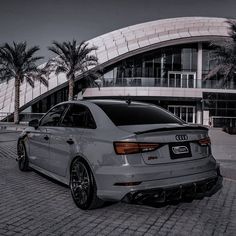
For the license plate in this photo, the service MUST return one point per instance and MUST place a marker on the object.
(180, 150)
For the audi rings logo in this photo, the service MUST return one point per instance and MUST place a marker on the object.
(181, 137)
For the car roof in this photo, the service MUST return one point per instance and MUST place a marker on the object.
(113, 101)
(105, 101)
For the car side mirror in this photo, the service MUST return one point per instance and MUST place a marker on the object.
(34, 123)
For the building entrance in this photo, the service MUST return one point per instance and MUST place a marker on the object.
(178, 79)
(186, 113)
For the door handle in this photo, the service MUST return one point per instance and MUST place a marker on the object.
(46, 137)
(70, 141)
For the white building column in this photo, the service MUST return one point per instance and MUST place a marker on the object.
(199, 63)
(200, 112)
(206, 118)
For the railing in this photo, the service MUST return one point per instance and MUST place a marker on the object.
(147, 82)
(218, 84)
(167, 82)
(27, 116)
(24, 116)
(4, 115)
(221, 121)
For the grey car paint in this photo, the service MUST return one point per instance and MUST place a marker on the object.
(54, 156)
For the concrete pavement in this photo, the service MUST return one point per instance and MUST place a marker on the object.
(224, 150)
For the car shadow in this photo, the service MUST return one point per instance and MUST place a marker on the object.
(164, 204)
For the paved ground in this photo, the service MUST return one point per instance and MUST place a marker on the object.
(224, 150)
(31, 204)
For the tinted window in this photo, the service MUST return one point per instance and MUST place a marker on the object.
(78, 116)
(137, 114)
(52, 118)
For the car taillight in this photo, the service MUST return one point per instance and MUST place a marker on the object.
(122, 148)
(204, 141)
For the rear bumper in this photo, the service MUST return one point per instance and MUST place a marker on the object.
(158, 178)
(195, 190)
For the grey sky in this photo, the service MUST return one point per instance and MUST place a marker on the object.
(40, 22)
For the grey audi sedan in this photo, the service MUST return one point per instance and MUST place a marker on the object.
(112, 150)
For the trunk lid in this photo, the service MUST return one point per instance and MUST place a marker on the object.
(178, 142)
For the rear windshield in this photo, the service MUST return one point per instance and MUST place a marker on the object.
(137, 114)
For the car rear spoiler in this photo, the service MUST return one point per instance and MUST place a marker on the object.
(172, 128)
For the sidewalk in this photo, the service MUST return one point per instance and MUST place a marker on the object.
(7, 126)
(224, 151)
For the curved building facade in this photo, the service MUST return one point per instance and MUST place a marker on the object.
(163, 62)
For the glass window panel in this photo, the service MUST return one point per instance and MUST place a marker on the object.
(158, 63)
(171, 109)
(149, 70)
(194, 60)
(190, 81)
(184, 81)
(164, 82)
(52, 118)
(177, 111)
(138, 72)
(172, 82)
(185, 58)
(78, 116)
(119, 82)
(168, 62)
(177, 61)
(183, 113)
(136, 114)
(178, 80)
(190, 115)
(158, 82)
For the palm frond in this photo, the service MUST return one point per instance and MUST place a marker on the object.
(60, 49)
(18, 61)
(6, 75)
(224, 56)
(228, 75)
(43, 80)
(60, 69)
(72, 59)
(30, 81)
(217, 69)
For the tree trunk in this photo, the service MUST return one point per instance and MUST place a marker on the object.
(71, 88)
(17, 100)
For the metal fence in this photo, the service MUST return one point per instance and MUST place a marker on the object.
(166, 82)
(5, 115)
(24, 116)
(222, 121)
(27, 116)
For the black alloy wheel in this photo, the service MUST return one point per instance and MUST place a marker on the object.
(23, 162)
(83, 186)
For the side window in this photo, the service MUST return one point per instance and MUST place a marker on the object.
(78, 116)
(52, 118)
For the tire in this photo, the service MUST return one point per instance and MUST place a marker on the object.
(83, 186)
(23, 161)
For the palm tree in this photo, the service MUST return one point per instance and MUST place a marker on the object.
(224, 57)
(19, 63)
(73, 60)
